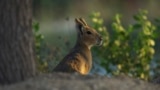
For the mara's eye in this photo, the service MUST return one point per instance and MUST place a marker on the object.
(88, 32)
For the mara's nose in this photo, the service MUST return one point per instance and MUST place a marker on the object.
(100, 38)
(100, 41)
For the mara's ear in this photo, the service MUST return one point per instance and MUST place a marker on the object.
(79, 25)
(83, 21)
(79, 22)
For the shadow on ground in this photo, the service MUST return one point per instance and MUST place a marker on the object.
(63, 81)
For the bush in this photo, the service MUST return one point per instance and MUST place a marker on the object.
(128, 50)
(47, 57)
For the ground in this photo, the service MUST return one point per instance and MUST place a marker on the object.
(63, 81)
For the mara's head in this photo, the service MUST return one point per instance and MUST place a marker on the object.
(87, 34)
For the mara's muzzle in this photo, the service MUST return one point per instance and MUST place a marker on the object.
(100, 41)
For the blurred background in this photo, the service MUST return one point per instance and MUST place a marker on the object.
(51, 13)
(56, 22)
(57, 16)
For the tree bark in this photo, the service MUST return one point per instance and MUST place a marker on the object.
(16, 41)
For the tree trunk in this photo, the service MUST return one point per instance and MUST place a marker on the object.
(16, 41)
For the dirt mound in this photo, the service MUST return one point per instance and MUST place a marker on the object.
(63, 81)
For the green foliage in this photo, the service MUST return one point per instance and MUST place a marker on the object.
(155, 64)
(41, 65)
(126, 50)
(47, 57)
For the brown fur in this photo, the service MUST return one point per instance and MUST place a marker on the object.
(79, 59)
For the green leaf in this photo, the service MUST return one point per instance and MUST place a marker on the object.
(136, 17)
(137, 26)
(36, 27)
